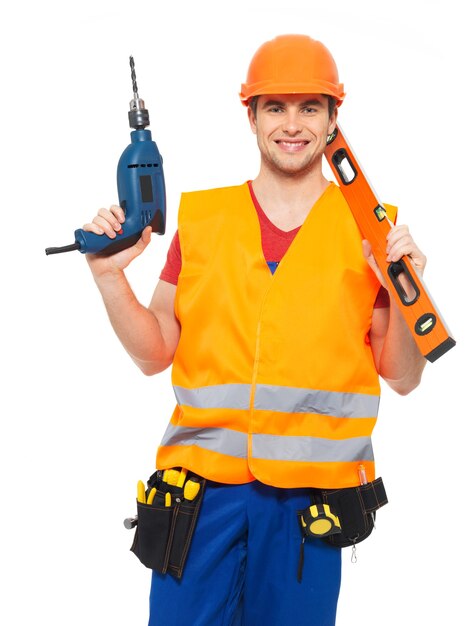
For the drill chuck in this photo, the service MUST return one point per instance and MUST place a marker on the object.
(138, 116)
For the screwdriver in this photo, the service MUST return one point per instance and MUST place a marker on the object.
(141, 492)
(171, 476)
(191, 489)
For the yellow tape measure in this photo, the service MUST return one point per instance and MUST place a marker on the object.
(319, 521)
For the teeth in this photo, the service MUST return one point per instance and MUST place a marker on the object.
(293, 143)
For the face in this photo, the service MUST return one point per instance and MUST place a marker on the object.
(291, 131)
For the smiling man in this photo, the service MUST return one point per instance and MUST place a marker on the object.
(292, 126)
(271, 311)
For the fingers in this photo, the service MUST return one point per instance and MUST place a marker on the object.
(107, 221)
(401, 243)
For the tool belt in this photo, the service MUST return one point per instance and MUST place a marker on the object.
(341, 517)
(167, 514)
(355, 509)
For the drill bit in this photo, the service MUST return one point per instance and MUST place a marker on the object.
(133, 78)
(138, 115)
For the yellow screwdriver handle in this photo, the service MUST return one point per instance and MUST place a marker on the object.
(171, 477)
(151, 495)
(182, 477)
(141, 492)
(191, 490)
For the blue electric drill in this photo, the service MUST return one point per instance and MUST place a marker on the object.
(141, 188)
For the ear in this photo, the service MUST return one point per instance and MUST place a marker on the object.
(332, 121)
(252, 120)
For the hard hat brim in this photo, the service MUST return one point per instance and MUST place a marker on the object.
(268, 87)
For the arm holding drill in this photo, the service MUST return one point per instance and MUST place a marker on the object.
(149, 334)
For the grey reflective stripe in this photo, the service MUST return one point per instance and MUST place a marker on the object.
(280, 399)
(232, 396)
(271, 447)
(222, 440)
(311, 449)
(296, 400)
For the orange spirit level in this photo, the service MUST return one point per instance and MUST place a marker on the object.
(422, 317)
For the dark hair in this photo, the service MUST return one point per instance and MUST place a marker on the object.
(253, 104)
(331, 105)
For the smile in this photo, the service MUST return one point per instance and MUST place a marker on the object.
(291, 146)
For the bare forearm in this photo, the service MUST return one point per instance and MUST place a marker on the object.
(401, 363)
(396, 355)
(136, 326)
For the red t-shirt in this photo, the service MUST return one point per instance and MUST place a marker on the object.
(275, 243)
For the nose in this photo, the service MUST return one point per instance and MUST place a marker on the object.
(291, 124)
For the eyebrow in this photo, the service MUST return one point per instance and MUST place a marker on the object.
(313, 101)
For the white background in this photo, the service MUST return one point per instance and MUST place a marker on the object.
(80, 424)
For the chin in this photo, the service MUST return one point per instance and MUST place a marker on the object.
(293, 169)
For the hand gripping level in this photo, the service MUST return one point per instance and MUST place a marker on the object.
(423, 319)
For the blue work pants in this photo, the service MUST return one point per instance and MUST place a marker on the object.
(242, 565)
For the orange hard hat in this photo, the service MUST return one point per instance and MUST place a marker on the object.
(292, 64)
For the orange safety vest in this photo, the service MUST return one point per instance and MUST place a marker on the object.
(273, 374)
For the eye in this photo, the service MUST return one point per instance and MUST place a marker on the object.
(310, 110)
(275, 109)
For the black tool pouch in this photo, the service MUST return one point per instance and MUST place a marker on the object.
(355, 507)
(163, 533)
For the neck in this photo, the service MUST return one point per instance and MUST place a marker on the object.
(286, 199)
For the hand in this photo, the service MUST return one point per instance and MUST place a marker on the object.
(108, 222)
(399, 243)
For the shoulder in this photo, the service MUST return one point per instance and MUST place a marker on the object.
(218, 192)
(336, 196)
(209, 202)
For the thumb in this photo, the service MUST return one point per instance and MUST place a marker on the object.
(144, 240)
(369, 257)
(124, 258)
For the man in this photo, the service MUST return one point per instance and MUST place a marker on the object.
(278, 330)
